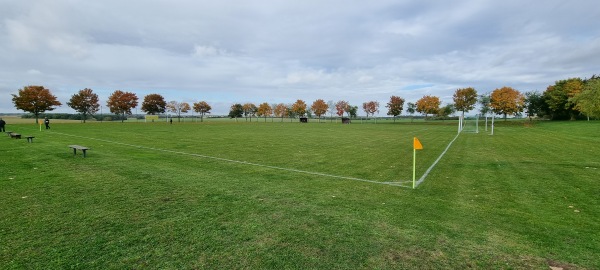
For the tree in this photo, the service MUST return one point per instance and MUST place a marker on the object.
(121, 103)
(319, 107)
(154, 104)
(352, 111)
(465, 100)
(249, 110)
(265, 110)
(280, 111)
(236, 111)
(558, 97)
(484, 103)
(428, 105)
(371, 108)
(395, 106)
(85, 102)
(588, 101)
(203, 108)
(411, 108)
(341, 107)
(507, 100)
(446, 111)
(35, 99)
(178, 108)
(534, 104)
(299, 108)
(331, 110)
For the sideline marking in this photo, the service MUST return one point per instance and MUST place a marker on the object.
(389, 183)
(435, 163)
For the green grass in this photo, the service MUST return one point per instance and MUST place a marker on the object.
(525, 198)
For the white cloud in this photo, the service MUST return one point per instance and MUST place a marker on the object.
(281, 51)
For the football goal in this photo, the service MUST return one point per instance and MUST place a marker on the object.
(469, 124)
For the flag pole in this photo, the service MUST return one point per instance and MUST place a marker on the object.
(414, 165)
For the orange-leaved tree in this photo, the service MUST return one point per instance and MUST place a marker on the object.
(319, 108)
(121, 103)
(280, 111)
(202, 108)
(35, 99)
(264, 110)
(249, 110)
(299, 108)
(507, 100)
(395, 106)
(84, 102)
(428, 105)
(465, 99)
(178, 108)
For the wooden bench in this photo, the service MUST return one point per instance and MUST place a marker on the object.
(15, 135)
(82, 148)
(29, 139)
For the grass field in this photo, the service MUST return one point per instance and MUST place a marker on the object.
(291, 196)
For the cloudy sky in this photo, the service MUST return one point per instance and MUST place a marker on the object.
(226, 52)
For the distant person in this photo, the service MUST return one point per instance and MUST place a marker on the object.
(2, 124)
(171, 121)
(47, 122)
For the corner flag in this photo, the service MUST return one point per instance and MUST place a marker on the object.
(417, 144)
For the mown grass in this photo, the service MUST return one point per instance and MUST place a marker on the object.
(525, 198)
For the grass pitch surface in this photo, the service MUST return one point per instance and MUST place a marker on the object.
(152, 195)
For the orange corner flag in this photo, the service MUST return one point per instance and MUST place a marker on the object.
(417, 144)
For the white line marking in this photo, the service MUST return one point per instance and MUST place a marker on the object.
(390, 183)
(434, 163)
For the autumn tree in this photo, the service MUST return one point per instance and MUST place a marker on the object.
(319, 108)
(236, 111)
(202, 108)
(559, 97)
(428, 105)
(154, 104)
(371, 107)
(280, 111)
(464, 100)
(35, 99)
(85, 102)
(411, 108)
(341, 107)
(299, 108)
(588, 101)
(121, 103)
(395, 106)
(507, 100)
(249, 110)
(264, 110)
(178, 108)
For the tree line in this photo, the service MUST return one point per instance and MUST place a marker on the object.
(565, 99)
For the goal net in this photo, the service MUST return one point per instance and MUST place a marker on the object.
(469, 124)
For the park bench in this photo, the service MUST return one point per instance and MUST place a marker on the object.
(82, 148)
(15, 135)
(29, 139)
